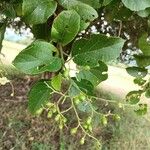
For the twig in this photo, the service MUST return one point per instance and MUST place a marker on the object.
(61, 52)
(79, 124)
(111, 101)
(66, 110)
(15, 101)
(120, 28)
(12, 88)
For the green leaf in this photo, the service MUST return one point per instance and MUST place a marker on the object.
(86, 12)
(144, 45)
(137, 72)
(144, 13)
(147, 93)
(56, 82)
(98, 47)
(123, 14)
(133, 97)
(106, 2)
(2, 32)
(111, 14)
(84, 106)
(39, 95)
(118, 13)
(95, 74)
(74, 90)
(65, 27)
(41, 31)
(141, 110)
(136, 5)
(85, 86)
(38, 58)
(18, 8)
(80, 86)
(139, 81)
(38, 11)
(142, 60)
(95, 3)
(9, 11)
(67, 3)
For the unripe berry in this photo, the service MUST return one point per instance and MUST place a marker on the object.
(87, 68)
(61, 126)
(57, 118)
(85, 126)
(66, 73)
(76, 100)
(73, 131)
(120, 105)
(82, 97)
(89, 120)
(90, 128)
(104, 121)
(82, 141)
(117, 117)
(49, 115)
(49, 105)
(64, 119)
(54, 110)
(39, 112)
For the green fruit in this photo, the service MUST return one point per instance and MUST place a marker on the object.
(104, 120)
(82, 97)
(49, 105)
(85, 126)
(76, 100)
(73, 131)
(64, 119)
(120, 105)
(39, 112)
(117, 117)
(90, 128)
(87, 68)
(61, 126)
(49, 115)
(57, 118)
(66, 73)
(54, 110)
(82, 141)
(89, 120)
